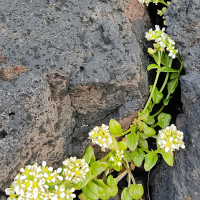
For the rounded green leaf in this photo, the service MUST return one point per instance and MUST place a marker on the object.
(132, 140)
(82, 197)
(122, 145)
(150, 132)
(115, 128)
(150, 160)
(126, 195)
(136, 191)
(166, 101)
(137, 157)
(91, 191)
(169, 158)
(113, 190)
(111, 181)
(163, 120)
(150, 121)
(98, 167)
(165, 59)
(89, 155)
(143, 143)
(127, 155)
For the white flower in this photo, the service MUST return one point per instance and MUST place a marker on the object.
(162, 41)
(101, 136)
(75, 169)
(170, 139)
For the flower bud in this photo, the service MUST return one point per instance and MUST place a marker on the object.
(151, 51)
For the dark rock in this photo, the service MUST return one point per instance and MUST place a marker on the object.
(182, 180)
(65, 66)
(183, 26)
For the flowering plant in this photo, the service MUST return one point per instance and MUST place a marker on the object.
(93, 176)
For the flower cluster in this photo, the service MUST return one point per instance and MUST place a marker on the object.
(32, 183)
(148, 1)
(115, 160)
(161, 12)
(75, 169)
(61, 193)
(101, 136)
(162, 41)
(171, 139)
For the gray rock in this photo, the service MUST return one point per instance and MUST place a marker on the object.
(182, 180)
(65, 66)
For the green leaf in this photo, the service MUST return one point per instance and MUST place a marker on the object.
(169, 158)
(173, 75)
(83, 183)
(171, 85)
(126, 195)
(150, 120)
(98, 167)
(113, 190)
(115, 128)
(127, 155)
(82, 197)
(114, 145)
(165, 59)
(167, 69)
(143, 143)
(103, 190)
(150, 132)
(152, 66)
(157, 95)
(122, 145)
(150, 106)
(150, 160)
(166, 101)
(111, 181)
(91, 191)
(155, 56)
(143, 115)
(136, 191)
(142, 135)
(132, 140)
(137, 157)
(163, 120)
(89, 155)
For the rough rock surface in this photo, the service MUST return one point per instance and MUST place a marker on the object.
(182, 180)
(66, 66)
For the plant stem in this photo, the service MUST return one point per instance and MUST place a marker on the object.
(154, 86)
(129, 172)
(167, 75)
(106, 157)
(146, 150)
(158, 112)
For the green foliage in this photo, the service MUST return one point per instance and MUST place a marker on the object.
(89, 155)
(115, 128)
(132, 140)
(157, 95)
(126, 195)
(168, 157)
(136, 191)
(98, 167)
(150, 160)
(137, 157)
(163, 120)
